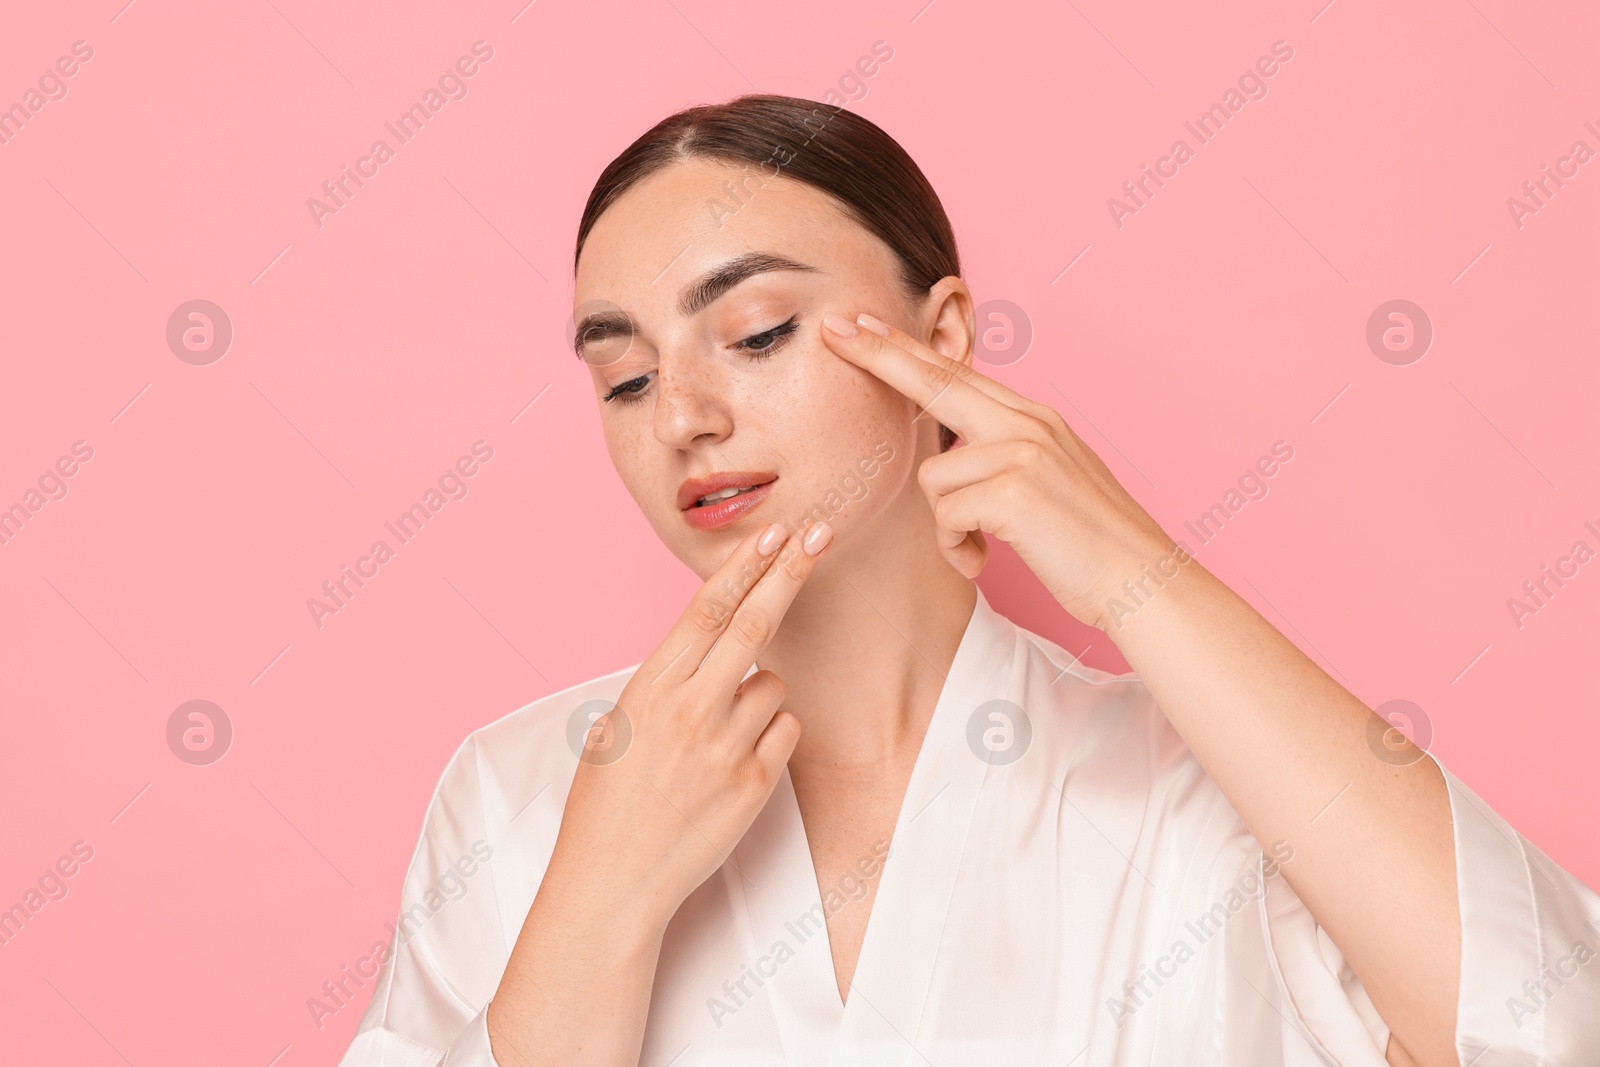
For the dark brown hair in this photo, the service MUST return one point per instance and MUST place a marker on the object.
(834, 150)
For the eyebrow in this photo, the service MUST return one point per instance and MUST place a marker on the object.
(698, 294)
(693, 298)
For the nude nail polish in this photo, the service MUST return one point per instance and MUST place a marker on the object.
(876, 325)
(771, 538)
(842, 327)
(817, 538)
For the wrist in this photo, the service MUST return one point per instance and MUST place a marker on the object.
(1148, 575)
(628, 911)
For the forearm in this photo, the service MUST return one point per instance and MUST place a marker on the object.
(705, 744)
(1374, 856)
(577, 986)
(1374, 851)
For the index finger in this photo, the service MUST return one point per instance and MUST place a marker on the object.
(756, 620)
(713, 605)
(975, 406)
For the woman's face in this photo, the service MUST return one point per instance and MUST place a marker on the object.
(708, 388)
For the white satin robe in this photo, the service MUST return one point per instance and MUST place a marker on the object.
(1095, 902)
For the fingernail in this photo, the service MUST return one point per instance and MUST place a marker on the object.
(842, 327)
(771, 538)
(817, 538)
(877, 326)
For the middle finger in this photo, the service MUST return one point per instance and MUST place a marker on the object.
(756, 620)
(713, 605)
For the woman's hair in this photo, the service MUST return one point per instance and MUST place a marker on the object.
(834, 150)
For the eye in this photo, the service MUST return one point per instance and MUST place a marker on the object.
(763, 344)
(757, 346)
(629, 392)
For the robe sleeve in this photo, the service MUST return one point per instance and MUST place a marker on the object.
(448, 947)
(1530, 978)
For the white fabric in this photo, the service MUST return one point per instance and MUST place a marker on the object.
(1016, 902)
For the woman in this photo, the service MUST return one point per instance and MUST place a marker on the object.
(845, 813)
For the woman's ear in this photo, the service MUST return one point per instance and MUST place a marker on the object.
(952, 325)
(951, 331)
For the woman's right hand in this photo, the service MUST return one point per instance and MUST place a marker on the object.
(669, 782)
(671, 779)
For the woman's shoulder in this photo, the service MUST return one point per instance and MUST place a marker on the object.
(1077, 694)
(529, 750)
(1105, 755)
(1105, 727)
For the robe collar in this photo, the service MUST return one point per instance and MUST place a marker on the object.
(779, 908)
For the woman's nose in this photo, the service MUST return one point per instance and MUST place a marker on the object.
(689, 405)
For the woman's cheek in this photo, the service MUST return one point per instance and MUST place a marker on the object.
(874, 463)
(635, 462)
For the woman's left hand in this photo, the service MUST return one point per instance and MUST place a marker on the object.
(1276, 733)
(1021, 474)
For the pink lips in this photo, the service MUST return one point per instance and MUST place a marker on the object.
(729, 510)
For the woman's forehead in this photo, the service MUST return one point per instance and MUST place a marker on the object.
(697, 216)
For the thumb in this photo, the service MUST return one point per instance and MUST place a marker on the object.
(970, 556)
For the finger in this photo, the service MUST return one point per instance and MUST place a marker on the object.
(959, 530)
(961, 467)
(757, 617)
(776, 744)
(898, 337)
(896, 341)
(755, 702)
(944, 388)
(958, 524)
(713, 605)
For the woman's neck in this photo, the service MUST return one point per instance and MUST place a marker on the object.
(864, 649)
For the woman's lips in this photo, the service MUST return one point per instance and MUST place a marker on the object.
(728, 511)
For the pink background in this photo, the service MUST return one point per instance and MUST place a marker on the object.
(368, 354)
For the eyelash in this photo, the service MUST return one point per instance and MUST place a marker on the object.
(632, 390)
